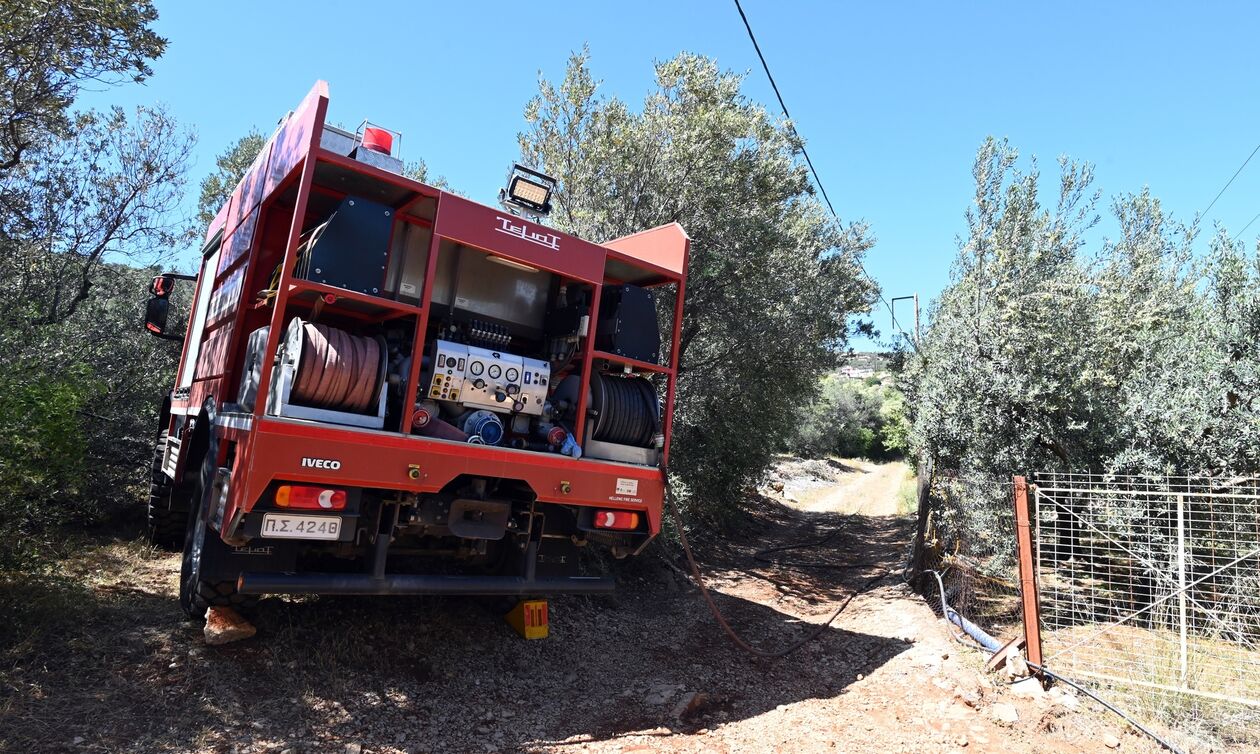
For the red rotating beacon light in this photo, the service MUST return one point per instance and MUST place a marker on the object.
(378, 140)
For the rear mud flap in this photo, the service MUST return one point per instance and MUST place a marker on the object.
(223, 562)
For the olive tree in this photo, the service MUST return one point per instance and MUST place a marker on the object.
(773, 278)
(1129, 357)
(50, 49)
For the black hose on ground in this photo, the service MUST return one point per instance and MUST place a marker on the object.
(1056, 676)
(735, 638)
(946, 610)
(761, 555)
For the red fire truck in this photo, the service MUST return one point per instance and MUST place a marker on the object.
(386, 388)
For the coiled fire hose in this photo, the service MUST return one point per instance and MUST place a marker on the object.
(730, 632)
(335, 370)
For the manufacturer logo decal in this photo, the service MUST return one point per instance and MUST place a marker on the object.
(321, 463)
(522, 231)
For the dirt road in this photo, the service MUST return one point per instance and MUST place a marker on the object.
(113, 667)
(863, 488)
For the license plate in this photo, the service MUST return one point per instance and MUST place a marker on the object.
(288, 526)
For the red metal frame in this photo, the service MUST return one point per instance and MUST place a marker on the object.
(270, 448)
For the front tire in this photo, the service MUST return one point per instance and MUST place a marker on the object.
(166, 523)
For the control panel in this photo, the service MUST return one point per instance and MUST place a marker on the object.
(482, 378)
(449, 364)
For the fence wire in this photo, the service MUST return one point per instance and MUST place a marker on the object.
(1151, 585)
(971, 544)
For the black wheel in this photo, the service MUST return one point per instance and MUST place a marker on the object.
(197, 593)
(166, 520)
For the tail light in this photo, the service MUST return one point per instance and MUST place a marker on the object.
(621, 520)
(310, 498)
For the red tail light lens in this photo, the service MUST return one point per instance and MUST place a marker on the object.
(310, 498)
(621, 520)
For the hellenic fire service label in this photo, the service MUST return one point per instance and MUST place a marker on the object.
(627, 486)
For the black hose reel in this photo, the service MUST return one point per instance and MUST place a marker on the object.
(621, 410)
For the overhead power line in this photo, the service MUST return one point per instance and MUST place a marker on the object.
(817, 181)
(783, 105)
(1227, 184)
(1249, 222)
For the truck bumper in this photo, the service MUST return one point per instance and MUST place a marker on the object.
(284, 449)
(368, 584)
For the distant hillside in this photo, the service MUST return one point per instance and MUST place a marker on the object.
(863, 365)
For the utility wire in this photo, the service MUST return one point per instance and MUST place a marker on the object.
(783, 104)
(1249, 222)
(1203, 214)
(817, 181)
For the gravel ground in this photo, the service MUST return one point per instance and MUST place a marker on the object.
(111, 666)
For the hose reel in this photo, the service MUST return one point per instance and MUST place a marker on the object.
(621, 410)
(327, 374)
(626, 410)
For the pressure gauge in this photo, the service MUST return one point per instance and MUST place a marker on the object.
(512, 374)
(476, 367)
(495, 371)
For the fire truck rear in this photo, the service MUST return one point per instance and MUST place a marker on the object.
(386, 388)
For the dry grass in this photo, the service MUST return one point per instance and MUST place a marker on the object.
(1136, 660)
(908, 494)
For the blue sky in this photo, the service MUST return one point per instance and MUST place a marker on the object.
(893, 98)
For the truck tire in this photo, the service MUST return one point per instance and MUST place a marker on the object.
(166, 523)
(198, 594)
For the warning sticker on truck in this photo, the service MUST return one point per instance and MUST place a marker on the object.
(627, 486)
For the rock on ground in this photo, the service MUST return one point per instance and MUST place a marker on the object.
(224, 626)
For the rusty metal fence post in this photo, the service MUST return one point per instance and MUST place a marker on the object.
(1027, 572)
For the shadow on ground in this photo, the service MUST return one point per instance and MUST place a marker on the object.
(102, 660)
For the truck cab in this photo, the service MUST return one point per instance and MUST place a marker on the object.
(387, 388)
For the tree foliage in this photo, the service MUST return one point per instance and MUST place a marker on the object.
(230, 167)
(109, 190)
(51, 48)
(1131, 357)
(853, 418)
(772, 280)
(85, 196)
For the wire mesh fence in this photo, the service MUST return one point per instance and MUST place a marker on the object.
(1151, 586)
(971, 544)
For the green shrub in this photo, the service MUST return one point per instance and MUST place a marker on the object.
(853, 419)
(78, 411)
(42, 459)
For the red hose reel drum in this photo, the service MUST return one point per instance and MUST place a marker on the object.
(335, 369)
